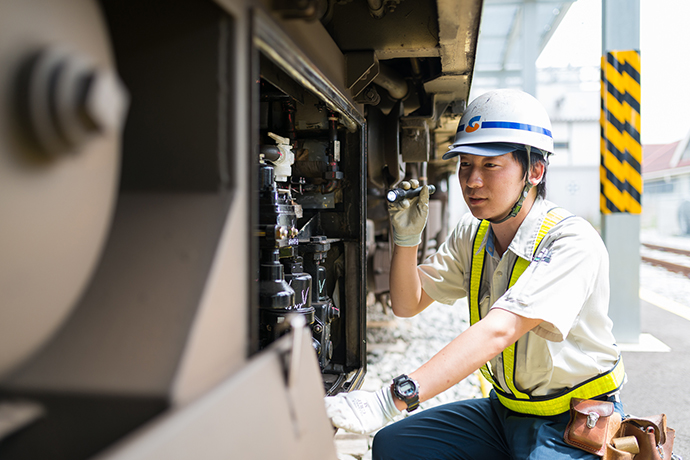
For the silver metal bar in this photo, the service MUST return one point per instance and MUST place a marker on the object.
(277, 46)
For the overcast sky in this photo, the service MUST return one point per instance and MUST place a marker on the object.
(664, 44)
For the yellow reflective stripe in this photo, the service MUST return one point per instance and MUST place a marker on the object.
(509, 353)
(546, 406)
(475, 284)
(553, 217)
(518, 269)
(476, 271)
(509, 372)
(487, 374)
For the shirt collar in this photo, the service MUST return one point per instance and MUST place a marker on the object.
(523, 242)
(489, 242)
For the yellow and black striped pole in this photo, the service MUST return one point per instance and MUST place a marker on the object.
(621, 149)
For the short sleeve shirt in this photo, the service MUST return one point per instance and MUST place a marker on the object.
(566, 287)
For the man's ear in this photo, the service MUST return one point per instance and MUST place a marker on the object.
(537, 173)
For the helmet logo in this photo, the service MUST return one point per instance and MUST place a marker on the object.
(473, 124)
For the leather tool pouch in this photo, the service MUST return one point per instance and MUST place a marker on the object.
(651, 439)
(588, 428)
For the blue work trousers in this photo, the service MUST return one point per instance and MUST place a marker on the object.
(477, 429)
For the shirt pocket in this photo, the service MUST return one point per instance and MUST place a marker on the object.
(484, 305)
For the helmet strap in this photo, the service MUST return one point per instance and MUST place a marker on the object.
(523, 194)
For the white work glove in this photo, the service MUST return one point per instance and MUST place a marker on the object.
(408, 217)
(361, 411)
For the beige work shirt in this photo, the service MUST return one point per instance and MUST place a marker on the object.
(566, 286)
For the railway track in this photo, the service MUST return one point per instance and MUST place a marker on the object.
(675, 267)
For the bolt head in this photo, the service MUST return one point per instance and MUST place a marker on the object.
(106, 101)
(281, 232)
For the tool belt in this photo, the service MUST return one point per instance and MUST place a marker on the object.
(596, 428)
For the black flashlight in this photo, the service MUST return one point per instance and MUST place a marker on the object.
(398, 194)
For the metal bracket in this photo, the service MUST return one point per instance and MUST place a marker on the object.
(362, 68)
(415, 139)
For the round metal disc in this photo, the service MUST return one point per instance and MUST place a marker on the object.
(54, 210)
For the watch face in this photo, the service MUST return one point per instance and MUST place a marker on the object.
(406, 389)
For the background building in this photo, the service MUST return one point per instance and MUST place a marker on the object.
(666, 198)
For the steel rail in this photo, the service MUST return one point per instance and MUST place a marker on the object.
(670, 266)
(684, 252)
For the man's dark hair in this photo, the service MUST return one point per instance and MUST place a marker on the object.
(521, 157)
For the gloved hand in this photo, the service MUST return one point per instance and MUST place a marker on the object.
(408, 217)
(361, 411)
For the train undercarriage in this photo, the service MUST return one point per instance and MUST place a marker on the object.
(193, 195)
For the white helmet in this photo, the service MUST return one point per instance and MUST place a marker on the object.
(501, 121)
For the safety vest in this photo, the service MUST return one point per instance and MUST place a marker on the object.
(512, 397)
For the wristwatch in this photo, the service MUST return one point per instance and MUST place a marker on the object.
(407, 390)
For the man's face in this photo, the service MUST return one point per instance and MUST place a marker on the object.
(490, 185)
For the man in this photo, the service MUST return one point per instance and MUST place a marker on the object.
(536, 278)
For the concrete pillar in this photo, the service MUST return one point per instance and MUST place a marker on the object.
(621, 230)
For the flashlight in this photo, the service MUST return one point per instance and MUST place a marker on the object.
(398, 194)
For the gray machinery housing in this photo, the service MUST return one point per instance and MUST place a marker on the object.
(193, 218)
